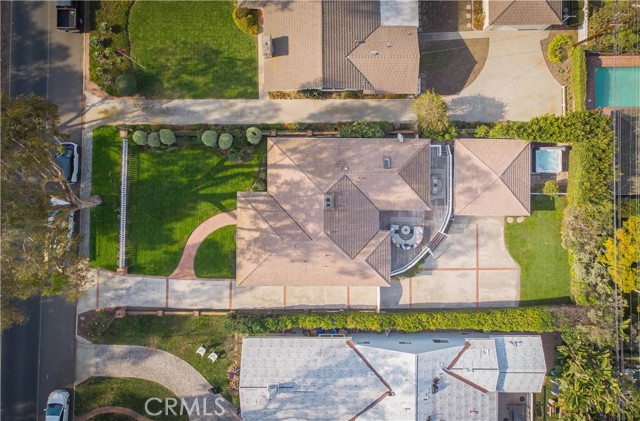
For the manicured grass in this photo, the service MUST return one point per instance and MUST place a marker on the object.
(180, 336)
(192, 50)
(536, 245)
(97, 392)
(106, 184)
(216, 257)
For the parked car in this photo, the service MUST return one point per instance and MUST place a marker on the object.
(68, 15)
(57, 406)
(68, 160)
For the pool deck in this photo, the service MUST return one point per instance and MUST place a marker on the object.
(599, 60)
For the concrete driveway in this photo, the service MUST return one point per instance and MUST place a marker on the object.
(471, 268)
(515, 83)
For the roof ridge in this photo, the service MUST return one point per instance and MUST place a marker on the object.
(503, 11)
(380, 243)
(276, 143)
(482, 160)
(508, 168)
(410, 162)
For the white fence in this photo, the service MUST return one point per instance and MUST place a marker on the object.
(122, 255)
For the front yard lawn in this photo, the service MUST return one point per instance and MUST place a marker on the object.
(192, 49)
(216, 256)
(97, 392)
(536, 245)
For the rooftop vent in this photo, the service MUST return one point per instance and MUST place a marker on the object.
(272, 390)
(328, 201)
(375, 53)
(386, 162)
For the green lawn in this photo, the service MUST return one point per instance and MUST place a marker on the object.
(180, 336)
(192, 50)
(216, 257)
(535, 244)
(105, 182)
(129, 393)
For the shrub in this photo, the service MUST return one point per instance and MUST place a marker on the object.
(311, 93)
(558, 50)
(478, 15)
(579, 77)
(482, 131)
(153, 139)
(254, 135)
(550, 188)
(246, 19)
(367, 129)
(431, 116)
(140, 137)
(225, 141)
(126, 85)
(529, 319)
(167, 137)
(210, 138)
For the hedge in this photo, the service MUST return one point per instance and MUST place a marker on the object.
(529, 319)
(210, 138)
(366, 129)
(126, 85)
(140, 137)
(167, 137)
(579, 77)
(154, 139)
(225, 141)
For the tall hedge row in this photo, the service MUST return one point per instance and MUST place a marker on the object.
(527, 319)
(579, 77)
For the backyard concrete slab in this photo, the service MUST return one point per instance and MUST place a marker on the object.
(515, 83)
(493, 252)
(456, 251)
(443, 289)
(499, 288)
(195, 294)
(363, 297)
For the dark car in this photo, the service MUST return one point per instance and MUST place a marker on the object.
(67, 160)
(68, 15)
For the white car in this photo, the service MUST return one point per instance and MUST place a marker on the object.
(57, 406)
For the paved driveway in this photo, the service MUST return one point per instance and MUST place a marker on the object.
(471, 268)
(515, 83)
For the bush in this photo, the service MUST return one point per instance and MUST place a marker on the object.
(153, 139)
(140, 137)
(225, 141)
(579, 77)
(558, 50)
(246, 20)
(167, 137)
(311, 93)
(431, 116)
(550, 188)
(529, 319)
(482, 131)
(254, 135)
(210, 138)
(126, 85)
(366, 129)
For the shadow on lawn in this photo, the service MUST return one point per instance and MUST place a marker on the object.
(543, 203)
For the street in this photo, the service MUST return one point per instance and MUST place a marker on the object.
(40, 356)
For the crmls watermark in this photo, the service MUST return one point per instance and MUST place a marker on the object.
(173, 406)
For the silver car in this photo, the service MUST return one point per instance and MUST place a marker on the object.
(58, 406)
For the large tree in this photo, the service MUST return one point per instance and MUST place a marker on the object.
(38, 254)
(431, 116)
(623, 255)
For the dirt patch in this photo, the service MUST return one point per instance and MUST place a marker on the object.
(445, 16)
(451, 66)
(93, 323)
(550, 342)
(560, 71)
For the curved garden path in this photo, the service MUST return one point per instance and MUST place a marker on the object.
(185, 267)
(156, 366)
(111, 410)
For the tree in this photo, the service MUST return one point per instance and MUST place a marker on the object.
(431, 116)
(167, 137)
(140, 137)
(225, 141)
(38, 255)
(623, 255)
(254, 135)
(210, 138)
(154, 139)
(558, 50)
(550, 188)
(365, 129)
(126, 84)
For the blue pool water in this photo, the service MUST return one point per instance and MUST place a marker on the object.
(548, 160)
(618, 87)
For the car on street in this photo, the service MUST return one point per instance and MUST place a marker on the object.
(57, 406)
(67, 160)
(68, 16)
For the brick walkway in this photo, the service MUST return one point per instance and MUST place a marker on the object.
(185, 268)
(111, 410)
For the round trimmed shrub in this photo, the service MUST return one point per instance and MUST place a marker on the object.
(126, 84)
(550, 188)
(558, 50)
(167, 137)
(210, 138)
(153, 139)
(140, 137)
(254, 135)
(246, 20)
(225, 141)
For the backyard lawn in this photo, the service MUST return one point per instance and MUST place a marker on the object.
(216, 256)
(536, 245)
(192, 50)
(97, 392)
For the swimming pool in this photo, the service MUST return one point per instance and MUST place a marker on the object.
(618, 87)
(549, 160)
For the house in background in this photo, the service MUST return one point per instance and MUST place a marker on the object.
(522, 14)
(369, 46)
(436, 376)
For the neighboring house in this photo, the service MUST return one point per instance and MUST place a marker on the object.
(341, 212)
(626, 126)
(492, 177)
(369, 46)
(438, 376)
(522, 14)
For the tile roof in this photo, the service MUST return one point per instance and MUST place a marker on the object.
(525, 12)
(288, 226)
(492, 177)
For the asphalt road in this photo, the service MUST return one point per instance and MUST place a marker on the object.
(40, 356)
